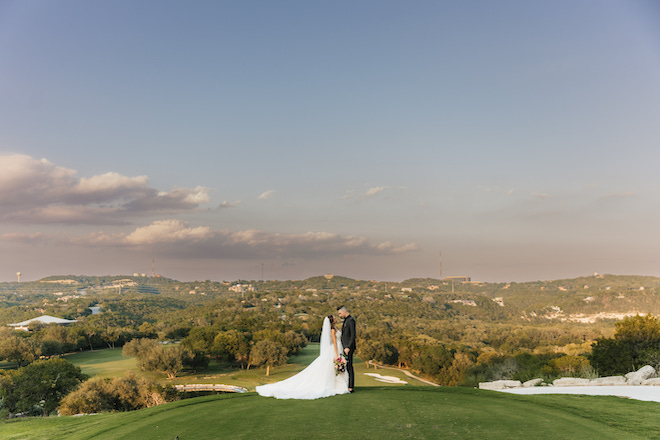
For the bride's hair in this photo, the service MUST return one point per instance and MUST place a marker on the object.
(332, 321)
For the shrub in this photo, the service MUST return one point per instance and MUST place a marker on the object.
(126, 393)
(39, 387)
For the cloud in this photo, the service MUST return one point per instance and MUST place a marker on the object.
(167, 231)
(373, 191)
(178, 238)
(541, 196)
(38, 191)
(348, 194)
(179, 199)
(310, 245)
(266, 195)
(227, 204)
(18, 237)
(391, 248)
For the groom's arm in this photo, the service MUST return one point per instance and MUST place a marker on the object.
(351, 332)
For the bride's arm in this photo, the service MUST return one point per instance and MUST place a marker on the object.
(333, 334)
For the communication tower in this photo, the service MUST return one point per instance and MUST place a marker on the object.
(440, 258)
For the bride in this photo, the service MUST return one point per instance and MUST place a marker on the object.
(319, 378)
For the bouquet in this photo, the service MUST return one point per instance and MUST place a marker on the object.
(340, 364)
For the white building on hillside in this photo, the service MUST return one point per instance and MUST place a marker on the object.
(43, 319)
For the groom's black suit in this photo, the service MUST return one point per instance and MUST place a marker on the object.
(348, 341)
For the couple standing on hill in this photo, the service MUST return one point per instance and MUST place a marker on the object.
(329, 374)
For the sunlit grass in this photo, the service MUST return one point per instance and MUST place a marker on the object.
(370, 413)
(111, 363)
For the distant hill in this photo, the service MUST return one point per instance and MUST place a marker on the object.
(582, 299)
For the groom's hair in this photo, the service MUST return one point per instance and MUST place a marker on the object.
(342, 308)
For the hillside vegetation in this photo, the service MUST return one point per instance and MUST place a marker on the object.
(450, 332)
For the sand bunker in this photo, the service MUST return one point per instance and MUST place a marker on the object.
(386, 379)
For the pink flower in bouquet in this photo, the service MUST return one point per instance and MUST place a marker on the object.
(340, 364)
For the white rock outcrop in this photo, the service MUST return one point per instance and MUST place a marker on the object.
(499, 385)
(532, 383)
(609, 381)
(639, 376)
(570, 382)
(644, 376)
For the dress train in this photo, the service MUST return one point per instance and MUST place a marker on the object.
(317, 380)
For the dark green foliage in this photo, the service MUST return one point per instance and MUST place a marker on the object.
(268, 353)
(18, 347)
(232, 346)
(636, 342)
(38, 388)
(432, 359)
(200, 339)
(153, 356)
(522, 366)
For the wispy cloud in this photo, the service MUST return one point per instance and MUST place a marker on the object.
(266, 195)
(18, 237)
(38, 191)
(227, 204)
(373, 191)
(348, 194)
(167, 231)
(179, 238)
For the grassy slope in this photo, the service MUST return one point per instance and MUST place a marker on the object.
(373, 412)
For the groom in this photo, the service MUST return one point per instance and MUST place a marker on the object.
(348, 341)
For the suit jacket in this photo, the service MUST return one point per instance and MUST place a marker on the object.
(348, 333)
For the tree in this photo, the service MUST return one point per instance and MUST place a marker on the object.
(268, 353)
(293, 341)
(42, 384)
(19, 349)
(379, 351)
(636, 342)
(153, 356)
(200, 339)
(232, 345)
(432, 360)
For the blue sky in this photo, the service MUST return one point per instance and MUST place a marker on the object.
(292, 139)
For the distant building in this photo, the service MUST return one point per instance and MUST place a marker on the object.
(240, 288)
(43, 319)
(462, 279)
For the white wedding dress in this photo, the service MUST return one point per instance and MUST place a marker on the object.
(317, 380)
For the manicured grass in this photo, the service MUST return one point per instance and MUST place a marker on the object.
(106, 363)
(370, 413)
(110, 363)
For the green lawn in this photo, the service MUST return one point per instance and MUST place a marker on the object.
(107, 362)
(370, 413)
(110, 363)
